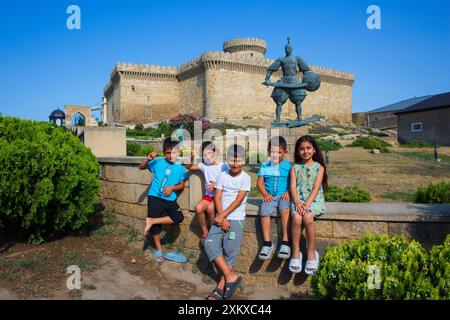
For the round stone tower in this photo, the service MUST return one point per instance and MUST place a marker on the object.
(252, 46)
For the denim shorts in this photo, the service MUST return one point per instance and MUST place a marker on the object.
(277, 204)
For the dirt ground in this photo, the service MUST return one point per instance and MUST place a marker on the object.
(388, 177)
(113, 266)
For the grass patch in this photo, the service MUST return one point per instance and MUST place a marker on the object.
(130, 234)
(417, 144)
(71, 258)
(424, 155)
(399, 195)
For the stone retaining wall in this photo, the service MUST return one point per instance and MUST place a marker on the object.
(124, 191)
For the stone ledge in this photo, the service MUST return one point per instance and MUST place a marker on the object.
(121, 160)
(387, 212)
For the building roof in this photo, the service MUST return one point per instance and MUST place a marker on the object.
(401, 105)
(57, 114)
(437, 101)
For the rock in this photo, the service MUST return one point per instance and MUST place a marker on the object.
(375, 151)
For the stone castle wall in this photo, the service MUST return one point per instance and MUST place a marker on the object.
(223, 86)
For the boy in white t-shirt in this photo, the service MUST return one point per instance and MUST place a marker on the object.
(211, 168)
(224, 239)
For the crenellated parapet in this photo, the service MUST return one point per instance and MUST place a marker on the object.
(252, 45)
(140, 71)
(242, 62)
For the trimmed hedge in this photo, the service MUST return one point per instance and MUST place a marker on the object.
(48, 179)
(347, 194)
(382, 268)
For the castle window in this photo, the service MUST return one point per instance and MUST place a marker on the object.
(148, 112)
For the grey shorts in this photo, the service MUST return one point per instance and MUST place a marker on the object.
(277, 204)
(226, 244)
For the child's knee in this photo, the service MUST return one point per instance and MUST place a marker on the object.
(199, 208)
(297, 220)
(308, 220)
(177, 217)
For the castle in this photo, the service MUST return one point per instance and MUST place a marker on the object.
(222, 86)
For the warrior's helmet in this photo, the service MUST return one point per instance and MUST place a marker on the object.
(288, 47)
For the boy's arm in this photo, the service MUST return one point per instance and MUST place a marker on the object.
(192, 166)
(267, 197)
(177, 187)
(218, 201)
(236, 203)
(150, 157)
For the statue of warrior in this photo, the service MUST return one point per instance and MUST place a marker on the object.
(289, 86)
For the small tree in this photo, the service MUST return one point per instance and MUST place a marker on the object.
(48, 179)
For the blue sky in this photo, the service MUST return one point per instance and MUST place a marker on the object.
(44, 65)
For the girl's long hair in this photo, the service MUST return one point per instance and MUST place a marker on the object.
(318, 157)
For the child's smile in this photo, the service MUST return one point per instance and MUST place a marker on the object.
(306, 151)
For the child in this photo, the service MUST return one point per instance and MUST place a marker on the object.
(273, 184)
(224, 238)
(211, 168)
(168, 178)
(308, 182)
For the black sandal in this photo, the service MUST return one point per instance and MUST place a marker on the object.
(230, 288)
(214, 295)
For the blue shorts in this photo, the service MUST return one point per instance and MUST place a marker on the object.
(277, 204)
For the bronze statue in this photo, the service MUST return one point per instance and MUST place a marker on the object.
(289, 86)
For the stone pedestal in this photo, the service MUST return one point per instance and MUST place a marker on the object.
(291, 135)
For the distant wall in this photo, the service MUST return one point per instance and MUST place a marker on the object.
(435, 126)
(105, 142)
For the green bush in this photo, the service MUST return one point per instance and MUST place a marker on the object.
(438, 193)
(48, 179)
(371, 143)
(382, 267)
(135, 149)
(346, 194)
(417, 144)
(328, 145)
(139, 126)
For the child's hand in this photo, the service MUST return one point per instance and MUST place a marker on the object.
(268, 198)
(299, 207)
(286, 196)
(168, 191)
(152, 155)
(225, 225)
(304, 208)
(218, 220)
(211, 186)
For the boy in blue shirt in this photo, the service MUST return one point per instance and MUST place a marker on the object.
(168, 179)
(273, 183)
